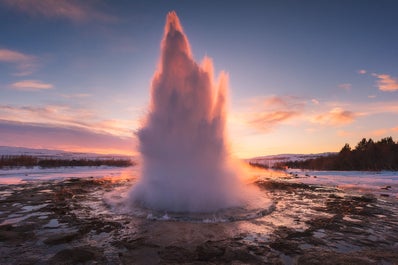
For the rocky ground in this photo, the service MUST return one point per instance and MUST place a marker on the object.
(67, 222)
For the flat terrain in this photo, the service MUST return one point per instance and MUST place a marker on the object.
(68, 222)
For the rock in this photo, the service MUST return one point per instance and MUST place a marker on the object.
(76, 255)
(287, 247)
(210, 250)
(232, 255)
(365, 198)
(61, 238)
(141, 256)
(176, 255)
(16, 234)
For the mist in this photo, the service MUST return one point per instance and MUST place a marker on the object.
(186, 163)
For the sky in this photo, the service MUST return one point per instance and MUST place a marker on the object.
(304, 76)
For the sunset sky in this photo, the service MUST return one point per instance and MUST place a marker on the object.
(304, 76)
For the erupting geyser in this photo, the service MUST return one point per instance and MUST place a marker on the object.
(185, 158)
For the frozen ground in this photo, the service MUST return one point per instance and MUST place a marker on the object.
(63, 216)
(380, 182)
(24, 175)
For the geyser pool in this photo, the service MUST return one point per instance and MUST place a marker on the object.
(186, 165)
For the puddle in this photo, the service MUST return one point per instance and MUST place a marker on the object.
(30, 208)
(53, 223)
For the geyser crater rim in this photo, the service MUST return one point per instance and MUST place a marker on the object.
(258, 207)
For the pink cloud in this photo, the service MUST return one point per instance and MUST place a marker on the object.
(386, 82)
(267, 120)
(379, 132)
(76, 11)
(274, 110)
(36, 135)
(63, 115)
(315, 101)
(11, 56)
(362, 72)
(31, 85)
(336, 116)
(345, 86)
(25, 63)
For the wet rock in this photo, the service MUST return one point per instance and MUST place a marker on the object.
(281, 185)
(141, 256)
(61, 238)
(16, 233)
(210, 250)
(317, 257)
(77, 255)
(287, 247)
(365, 198)
(243, 256)
(174, 254)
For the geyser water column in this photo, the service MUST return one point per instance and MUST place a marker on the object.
(185, 158)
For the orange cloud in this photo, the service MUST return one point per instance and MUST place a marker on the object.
(379, 132)
(343, 133)
(336, 116)
(272, 111)
(25, 63)
(31, 85)
(76, 11)
(386, 82)
(267, 120)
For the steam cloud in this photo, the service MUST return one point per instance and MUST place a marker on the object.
(186, 165)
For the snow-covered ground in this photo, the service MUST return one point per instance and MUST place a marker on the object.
(19, 175)
(271, 160)
(60, 154)
(380, 182)
(383, 182)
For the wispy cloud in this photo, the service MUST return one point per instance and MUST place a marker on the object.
(31, 85)
(11, 56)
(76, 96)
(362, 72)
(386, 82)
(267, 120)
(269, 112)
(336, 116)
(315, 101)
(72, 138)
(63, 115)
(345, 86)
(25, 63)
(76, 11)
(379, 132)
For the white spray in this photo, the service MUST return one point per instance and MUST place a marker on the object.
(185, 158)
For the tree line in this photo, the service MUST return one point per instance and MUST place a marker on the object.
(367, 155)
(10, 161)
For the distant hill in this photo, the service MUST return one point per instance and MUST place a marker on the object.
(271, 160)
(56, 154)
